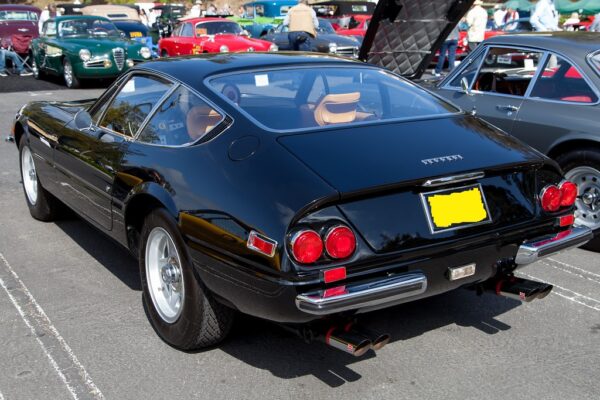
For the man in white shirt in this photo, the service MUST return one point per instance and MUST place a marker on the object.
(595, 27)
(477, 19)
(499, 14)
(545, 17)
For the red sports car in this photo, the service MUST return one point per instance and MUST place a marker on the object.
(210, 35)
(357, 28)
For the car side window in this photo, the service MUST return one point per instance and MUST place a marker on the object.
(177, 30)
(507, 71)
(181, 119)
(49, 28)
(187, 31)
(561, 81)
(130, 107)
(469, 72)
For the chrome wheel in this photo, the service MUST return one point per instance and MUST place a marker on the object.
(68, 73)
(164, 275)
(588, 199)
(29, 177)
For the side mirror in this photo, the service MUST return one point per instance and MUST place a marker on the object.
(83, 120)
(464, 85)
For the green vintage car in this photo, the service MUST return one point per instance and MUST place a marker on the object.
(84, 47)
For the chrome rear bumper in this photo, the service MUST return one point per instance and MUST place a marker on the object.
(363, 294)
(545, 246)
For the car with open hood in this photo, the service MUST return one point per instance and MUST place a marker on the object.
(84, 47)
(210, 35)
(326, 41)
(304, 189)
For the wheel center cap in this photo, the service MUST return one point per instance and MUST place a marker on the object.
(170, 274)
(590, 198)
(31, 174)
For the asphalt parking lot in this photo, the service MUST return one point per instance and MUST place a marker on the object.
(72, 326)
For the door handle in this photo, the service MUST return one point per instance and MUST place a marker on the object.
(508, 108)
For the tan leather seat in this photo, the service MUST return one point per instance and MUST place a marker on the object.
(337, 109)
(200, 120)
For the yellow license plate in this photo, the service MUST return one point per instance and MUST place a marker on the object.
(455, 208)
(135, 34)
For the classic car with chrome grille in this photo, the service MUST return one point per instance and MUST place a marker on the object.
(327, 40)
(304, 189)
(84, 47)
(209, 35)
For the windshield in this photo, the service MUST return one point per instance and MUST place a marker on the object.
(18, 16)
(87, 27)
(300, 98)
(325, 27)
(215, 28)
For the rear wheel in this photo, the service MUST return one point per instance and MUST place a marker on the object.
(583, 168)
(164, 53)
(180, 308)
(71, 80)
(42, 205)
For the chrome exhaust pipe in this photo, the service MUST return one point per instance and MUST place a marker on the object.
(349, 342)
(522, 289)
(378, 340)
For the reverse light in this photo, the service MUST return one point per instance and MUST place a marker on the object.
(307, 246)
(261, 244)
(551, 198)
(568, 191)
(340, 242)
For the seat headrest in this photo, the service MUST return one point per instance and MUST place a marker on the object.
(200, 120)
(337, 108)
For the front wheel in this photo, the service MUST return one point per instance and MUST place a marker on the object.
(42, 205)
(582, 167)
(37, 74)
(71, 80)
(179, 306)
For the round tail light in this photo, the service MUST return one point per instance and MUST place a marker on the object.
(568, 191)
(340, 242)
(551, 198)
(307, 246)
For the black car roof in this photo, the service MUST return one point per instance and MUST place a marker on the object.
(576, 44)
(194, 69)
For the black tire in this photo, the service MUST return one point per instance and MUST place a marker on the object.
(74, 82)
(164, 53)
(46, 206)
(583, 158)
(203, 321)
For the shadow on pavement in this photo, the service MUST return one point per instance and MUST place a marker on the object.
(110, 254)
(262, 344)
(15, 83)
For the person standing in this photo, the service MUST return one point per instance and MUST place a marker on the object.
(477, 19)
(303, 24)
(47, 13)
(499, 15)
(144, 17)
(449, 46)
(511, 16)
(545, 17)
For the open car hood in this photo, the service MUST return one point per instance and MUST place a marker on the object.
(404, 35)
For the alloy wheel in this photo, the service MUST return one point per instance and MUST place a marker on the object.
(164, 275)
(29, 175)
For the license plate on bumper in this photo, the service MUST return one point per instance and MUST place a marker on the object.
(456, 208)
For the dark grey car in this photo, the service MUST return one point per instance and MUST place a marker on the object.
(327, 41)
(545, 90)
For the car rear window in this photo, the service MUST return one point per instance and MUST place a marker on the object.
(301, 98)
(18, 15)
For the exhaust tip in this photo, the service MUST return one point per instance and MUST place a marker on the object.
(545, 291)
(362, 348)
(381, 341)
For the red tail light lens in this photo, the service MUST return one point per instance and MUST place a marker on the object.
(568, 191)
(340, 242)
(307, 246)
(551, 198)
